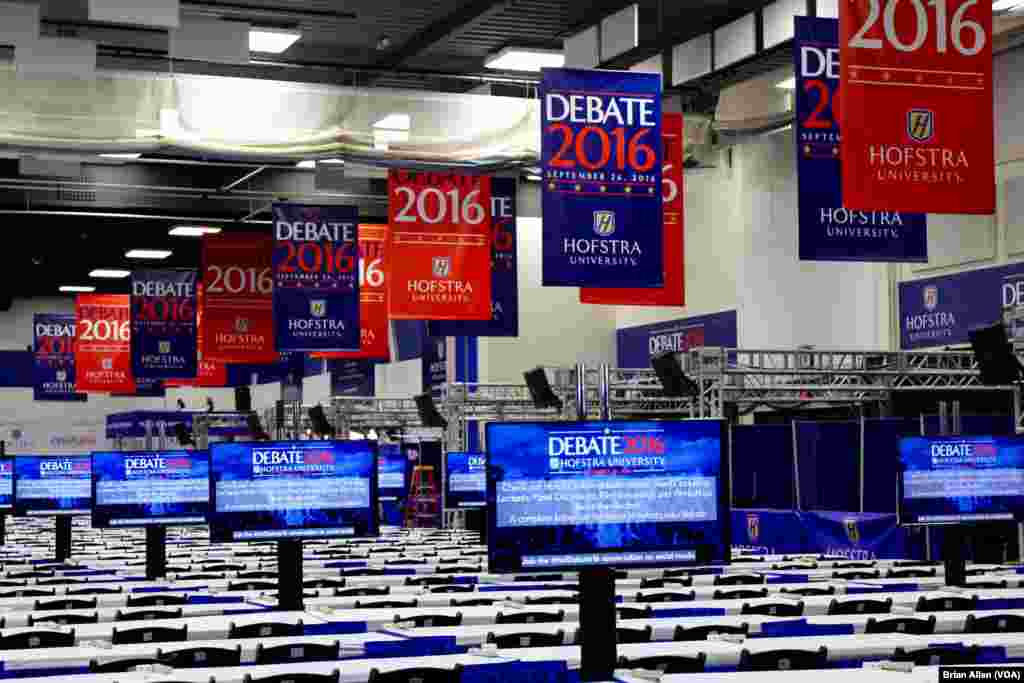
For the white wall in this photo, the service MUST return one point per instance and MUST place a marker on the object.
(399, 380)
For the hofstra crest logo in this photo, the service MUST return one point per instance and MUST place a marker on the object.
(107, 363)
(921, 125)
(62, 375)
(931, 297)
(604, 223)
(441, 266)
(318, 308)
(576, 451)
(164, 346)
(753, 527)
(852, 530)
(241, 325)
(477, 462)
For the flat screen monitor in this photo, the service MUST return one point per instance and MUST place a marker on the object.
(957, 479)
(52, 485)
(293, 490)
(6, 484)
(150, 487)
(466, 480)
(392, 471)
(572, 495)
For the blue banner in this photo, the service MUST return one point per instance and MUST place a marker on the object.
(940, 311)
(352, 377)
(434, 365)
(857, 536)
(163, 315)
(504, 320)
(54, 358)
(316, 278)
(828, 231)
(636, 345)
(601, 160)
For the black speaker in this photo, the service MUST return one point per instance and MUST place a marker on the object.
(429, 415)
(674, 381)
(243, 399)
(318, 419)
(183, 435)
(540, 389)
(994, 354)
(256, 428)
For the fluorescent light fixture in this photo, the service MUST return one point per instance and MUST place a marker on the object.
(308, 163)
(148, 253)
(787, 84)
(311, 163)
(525, 59)
(77, 288)
(272, 40)
(383, 137)
(394, 122)
(1007, 5)
(193, 230)
(126, 156)
(110, 273)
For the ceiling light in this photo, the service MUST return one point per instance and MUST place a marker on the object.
(394, 122)
(274, 41)
(193, 230)
(77, 288)
(311, 163)
(525, 59)
(111, 273)
(1007, 5)
(308, 163)
(148, 253)
(787, 84)
(126, 156)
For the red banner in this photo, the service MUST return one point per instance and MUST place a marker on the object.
(209, 372)
(916, 115)
(103, 357)
(440, 246)
(238, 323)
(673, 227)
(373, 300)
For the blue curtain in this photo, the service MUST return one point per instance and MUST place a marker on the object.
(881, 460)
(762, 466)
(828, 456)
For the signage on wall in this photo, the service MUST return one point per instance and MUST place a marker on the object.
(602, 166)
(316, 282)
(504, 320)
(440, 253)
(636, 345)
(103, 357)
(827, 230)
(917, 112)
(163, 310)
(54, 358)
(674, 230)
(238, 305)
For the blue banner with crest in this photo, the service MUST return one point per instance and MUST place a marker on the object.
(54, 358)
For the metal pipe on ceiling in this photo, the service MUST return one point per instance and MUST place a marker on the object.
(113, 214)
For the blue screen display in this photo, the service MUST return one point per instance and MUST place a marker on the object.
(948, 480)
(391, 471)
(152, 487)
(466, 483)
(579, 494)
(293, 489)
(6, 483)
(52, 485)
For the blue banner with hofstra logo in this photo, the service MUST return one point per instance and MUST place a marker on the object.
(316, 278)
(163, 322)
(54, 355)
(940, 311)
(828, 231)
(636, 345)
(504, 320)
(601, 161)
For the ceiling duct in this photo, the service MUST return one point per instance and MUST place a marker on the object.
(754, 106)
(699, 145)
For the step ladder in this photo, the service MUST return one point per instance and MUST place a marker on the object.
(423, 506)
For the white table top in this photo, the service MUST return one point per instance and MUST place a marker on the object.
(15, 619)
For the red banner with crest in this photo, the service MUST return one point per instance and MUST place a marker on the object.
(103, 355)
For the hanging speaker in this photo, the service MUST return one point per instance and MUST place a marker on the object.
(994, 353)
(318, 420)
(674, 381)
(243, 399)
(540, 389)
(429, 415)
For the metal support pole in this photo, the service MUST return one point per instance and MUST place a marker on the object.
(729, 428)
(796, 470)
(604, 389)
(289, 575)
(63, 529)
(156, 552)
(862, 459)
(957, 425)
(943, 418)
(597, 622)
(581, 391)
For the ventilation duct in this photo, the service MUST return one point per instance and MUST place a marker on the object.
(754, 106)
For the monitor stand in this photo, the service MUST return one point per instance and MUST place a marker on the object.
(63, 540)
(3, 529)
(953, 557)
(597, 624)
(289, 576)
(156, 551)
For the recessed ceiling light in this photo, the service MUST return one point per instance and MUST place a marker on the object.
(193, 230)
(272, 40)
(787, 84)
(111, 273)
(311, 163)
(308, 163)
(126, 156)
(394, 122)
(77, 288)
(148, 253)
(525, 59)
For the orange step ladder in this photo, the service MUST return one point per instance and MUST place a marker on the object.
(423, 506)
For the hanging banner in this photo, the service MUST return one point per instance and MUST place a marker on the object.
(352, 377)
(373, 300)
(504, 320)
(54, 354)
(917, 114)
(316, 286)
(163, 338)
(601, 161)
(434, 365)
(636, 345)
(673, 202)
(828, 231)
(439, 253)
(238, 307)
(210, 372)
(103, 356)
